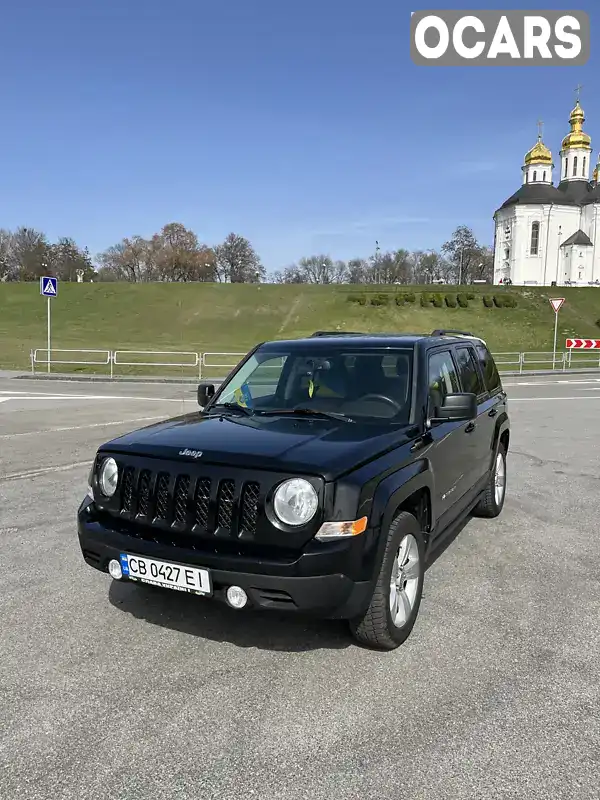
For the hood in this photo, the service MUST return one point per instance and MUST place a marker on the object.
(286, 444)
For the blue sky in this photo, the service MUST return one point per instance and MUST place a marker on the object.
(303, 126)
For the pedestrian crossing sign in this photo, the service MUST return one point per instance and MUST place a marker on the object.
(48, 287)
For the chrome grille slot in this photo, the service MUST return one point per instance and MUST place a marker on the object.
(127, 490)
(182, 486)
(144, 493)
(202, 502)
(162, 496)
(249, 508)
(225, 504)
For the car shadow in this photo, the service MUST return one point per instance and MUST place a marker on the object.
(213, 620)
(263, 630)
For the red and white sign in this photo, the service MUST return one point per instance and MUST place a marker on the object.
(556, 303)
(583, 344)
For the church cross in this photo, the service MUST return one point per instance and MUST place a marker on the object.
(540, 124)
(578, 89)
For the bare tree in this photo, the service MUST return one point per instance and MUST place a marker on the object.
(130, 260)
(178, 256)
(465, 254)
(238, 262)
(67, 260)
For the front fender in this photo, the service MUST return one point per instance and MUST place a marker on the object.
(391, 493)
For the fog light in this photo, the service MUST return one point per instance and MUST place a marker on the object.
(236, 597)
(115, 570)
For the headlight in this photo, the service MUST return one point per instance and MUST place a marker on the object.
(295, 502)
(108, 477)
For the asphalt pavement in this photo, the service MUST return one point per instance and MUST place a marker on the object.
(111, 690)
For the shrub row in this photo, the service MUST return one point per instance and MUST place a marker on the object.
(383, 299)
(434, 299)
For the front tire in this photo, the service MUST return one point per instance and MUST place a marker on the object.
(492, 500)
(394, 606)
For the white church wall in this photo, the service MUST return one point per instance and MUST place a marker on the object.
(537, 173)
(576, 264)
(594, 232)
(556, 224)
(571, 170)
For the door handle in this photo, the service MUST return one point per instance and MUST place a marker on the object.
(492, 412)
(470, 427)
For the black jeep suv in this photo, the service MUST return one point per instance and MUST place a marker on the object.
(316, 478)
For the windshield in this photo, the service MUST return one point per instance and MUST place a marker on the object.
(359, 383)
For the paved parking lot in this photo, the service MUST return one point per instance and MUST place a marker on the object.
(110, 691)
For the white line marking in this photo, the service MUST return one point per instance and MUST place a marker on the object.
(34, 473)
(551, 383)
(80, 427)
(535, 399)
(55, 396)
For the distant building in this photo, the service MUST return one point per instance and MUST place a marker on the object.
(550, 234)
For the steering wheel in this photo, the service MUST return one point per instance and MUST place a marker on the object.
(382, 397)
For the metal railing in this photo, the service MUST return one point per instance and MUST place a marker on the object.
(192, 360)
(199, 363)
(105, 358)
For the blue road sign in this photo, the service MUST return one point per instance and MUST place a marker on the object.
(49, 287)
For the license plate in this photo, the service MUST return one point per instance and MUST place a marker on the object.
(180, 577)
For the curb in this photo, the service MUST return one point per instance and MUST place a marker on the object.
(26, 376)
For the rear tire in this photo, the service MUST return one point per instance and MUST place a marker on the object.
(394, 606)
(492, 500)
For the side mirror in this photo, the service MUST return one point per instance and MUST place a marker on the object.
(457, 408)
(206, 391)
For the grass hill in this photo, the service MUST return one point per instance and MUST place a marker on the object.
(232, 318)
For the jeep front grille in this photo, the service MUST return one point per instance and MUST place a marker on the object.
(224, 508)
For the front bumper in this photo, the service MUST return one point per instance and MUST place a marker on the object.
(284, 585)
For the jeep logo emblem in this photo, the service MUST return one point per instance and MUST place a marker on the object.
(191, 453)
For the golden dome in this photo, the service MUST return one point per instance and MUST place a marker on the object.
(539, 154)
(577, 138)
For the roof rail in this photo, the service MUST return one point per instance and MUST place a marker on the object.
(337, 333)
(451, 332)
(459, 334)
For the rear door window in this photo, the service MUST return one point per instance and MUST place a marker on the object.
(489, 369)
(470, 377)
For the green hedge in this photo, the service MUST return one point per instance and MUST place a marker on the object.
(437, 300)
(451, 301)
(488, 301)
(505, 300)
(425, 299)
(361, 299)
(380, 299)
(463, 300)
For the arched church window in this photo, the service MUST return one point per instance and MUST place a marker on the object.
(544, 176)
(534, 175)
(566, 167)
(535, 238)
(575, 166)
(584, 165)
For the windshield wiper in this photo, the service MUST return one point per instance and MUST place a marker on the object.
(307, 412)
(232, 407)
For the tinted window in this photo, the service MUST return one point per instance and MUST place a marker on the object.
(469, 374)
(489, 369)
(442, 379)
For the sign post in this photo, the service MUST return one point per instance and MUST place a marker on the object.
(556, 303)
(48, 289)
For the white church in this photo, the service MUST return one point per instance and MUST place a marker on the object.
(547, 234)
